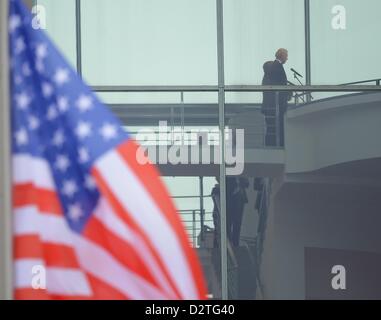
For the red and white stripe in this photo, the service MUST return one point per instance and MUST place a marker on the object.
(133, 247)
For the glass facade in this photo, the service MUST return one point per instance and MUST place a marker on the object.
(165, 42)
(161, 43)
(344, 46)
(171, 42)
(254, 30)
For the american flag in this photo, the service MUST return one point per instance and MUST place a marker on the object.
(99, 224)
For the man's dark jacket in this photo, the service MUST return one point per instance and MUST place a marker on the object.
(278, 77)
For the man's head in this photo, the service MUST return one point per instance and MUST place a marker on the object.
(282, 55)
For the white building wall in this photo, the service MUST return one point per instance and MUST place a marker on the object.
(316, 215)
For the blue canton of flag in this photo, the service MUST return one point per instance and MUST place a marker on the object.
(57, 117)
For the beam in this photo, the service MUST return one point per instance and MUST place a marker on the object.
(78, 31)
(221, 116)
(307, 31)
(241, 88)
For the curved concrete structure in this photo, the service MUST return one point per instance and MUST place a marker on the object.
(333, 131)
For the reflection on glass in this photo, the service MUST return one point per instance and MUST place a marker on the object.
(254, 30)
(343, 41)
(136, 42)
(61, 25)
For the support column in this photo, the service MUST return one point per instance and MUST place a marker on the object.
(221, 117)
(6, 282)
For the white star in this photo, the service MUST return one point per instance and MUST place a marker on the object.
(39, 65)
(17, 79)
(58, 138)
(26, 69)
(63, 104)
(14, 22)
(47, 89)
(52, 113)
(34, 123)
(62, 163)
(61, 76)
(84, 103)
(23, 100)
(20, 45)
(22, 137)
(90, 182)
(83, 155)
(83, 130)
(69, 188)
(41, 51)
(108, 131)
(75, 212)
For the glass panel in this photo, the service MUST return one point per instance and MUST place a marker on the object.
(254, 30)
(182, 131)
(140, 97)
(61, 25)
(136, 42)
(246, 138)
(344, 46)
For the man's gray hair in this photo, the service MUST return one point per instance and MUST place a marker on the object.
(279, 52)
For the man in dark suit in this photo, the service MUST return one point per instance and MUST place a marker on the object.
(277, 77)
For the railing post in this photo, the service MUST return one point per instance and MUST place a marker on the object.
(307, 32)
(265, 129)
(202, 212)
(194, 236)
(78, 31)
(277, 119)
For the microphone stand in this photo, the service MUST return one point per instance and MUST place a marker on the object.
(297, 78)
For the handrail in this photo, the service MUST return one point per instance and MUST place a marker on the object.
(378, 81)
(303, 94)
(264, 205)
(234, 88)
(187, 211)
(191, 197)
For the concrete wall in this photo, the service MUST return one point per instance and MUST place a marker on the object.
(336, 216)
(335, 131)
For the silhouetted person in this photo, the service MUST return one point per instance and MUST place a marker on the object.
(239, 199)
(258, 187)
(278, 77)
(230, 203)
(216, 213)
(236, 199)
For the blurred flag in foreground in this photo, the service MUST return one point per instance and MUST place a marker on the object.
(89, 221)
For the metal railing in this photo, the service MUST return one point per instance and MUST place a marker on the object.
(305, 97)
(195, 222)
(237, 88)
(261, 233)
(179, 136)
